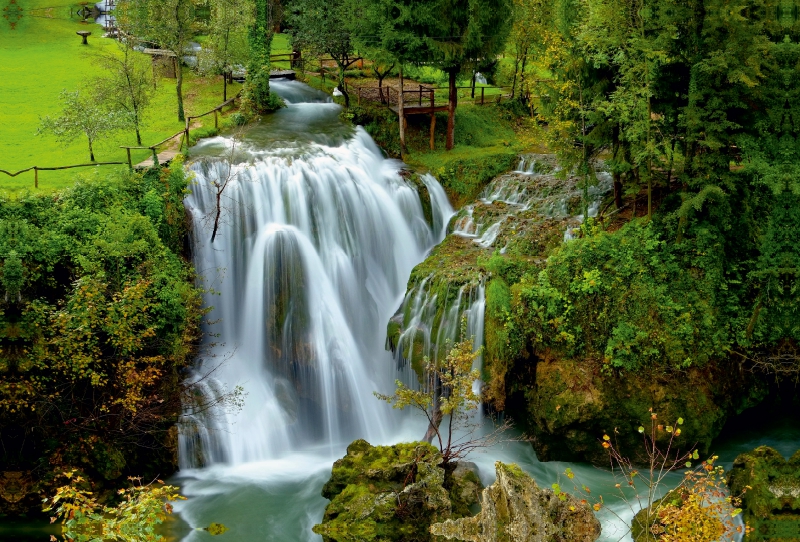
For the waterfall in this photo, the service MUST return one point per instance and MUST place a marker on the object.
(317, 237)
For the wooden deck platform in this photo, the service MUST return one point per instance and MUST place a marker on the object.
(418, 109)
(164, 158)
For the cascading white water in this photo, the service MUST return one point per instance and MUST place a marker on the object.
(315, 244)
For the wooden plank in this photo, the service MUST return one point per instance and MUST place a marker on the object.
(417, 110)
(164, 158)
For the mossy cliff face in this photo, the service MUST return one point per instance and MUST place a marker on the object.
(393, 493)
(585, 336)
(515, 509)
(771, 505)
(570, 404)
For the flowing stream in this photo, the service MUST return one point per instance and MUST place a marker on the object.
(317, 236)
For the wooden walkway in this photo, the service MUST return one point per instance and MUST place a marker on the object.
(164, 158)
(418, 109)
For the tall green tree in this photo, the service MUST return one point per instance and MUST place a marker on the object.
(324, 27)
(227, 44)
(449, 34)
(126, 83)
(168, 24)
(259, 36)
(83, 116)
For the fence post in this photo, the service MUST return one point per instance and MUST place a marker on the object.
(420, 95)
(35, 177)
(186, 134)
(482, 93)
(216, 120)
(130, 163)
(156, 164)
(433, 120)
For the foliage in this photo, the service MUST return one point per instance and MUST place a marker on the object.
(449, 34)
(83, 116)
(104, 316)
(226, 46)
(447, 391)
(127, 83)
(143, 507)
(322, 27)
(256, 91)
(169, 24)
(630, 299)
(698, 509)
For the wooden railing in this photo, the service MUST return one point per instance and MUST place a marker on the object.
(37, 169)
(184, 133)
(424, 95)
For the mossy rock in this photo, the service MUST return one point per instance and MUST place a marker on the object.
(515, 509)
(772, 504)
(569, 404)
(390, 493)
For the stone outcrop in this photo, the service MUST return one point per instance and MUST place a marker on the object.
(771, 505)
(393, 493)
(515, 509)
(569, 404)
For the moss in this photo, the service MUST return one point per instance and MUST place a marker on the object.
(771, 504)
(465, 171)
(388, 493)
(573, 403)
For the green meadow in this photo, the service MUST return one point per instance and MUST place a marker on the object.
(41, 56)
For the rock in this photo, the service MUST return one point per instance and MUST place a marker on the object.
(569, 404)
(392, 493)
(514, 509)
(772, 504)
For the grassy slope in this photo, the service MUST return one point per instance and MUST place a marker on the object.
(39, 59)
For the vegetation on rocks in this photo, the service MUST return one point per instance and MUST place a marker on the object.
(515, 509)
(771, 493)
(99, 316)
(393, 493)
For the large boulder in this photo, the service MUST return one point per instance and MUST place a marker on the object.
(569, 404)
(393, 493)
(515, 509)
(770, 489)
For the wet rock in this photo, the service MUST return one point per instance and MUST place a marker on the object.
(569, 404)
(391, 493)
(515, 509)
(772, 504)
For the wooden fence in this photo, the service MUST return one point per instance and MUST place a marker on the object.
(183, 133)
(152, 148)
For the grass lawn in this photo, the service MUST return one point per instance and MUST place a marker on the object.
(42, 56)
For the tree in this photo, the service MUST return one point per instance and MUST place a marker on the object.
(449, 34)
(135, 519)
(227, 44)
(260, 39)
(83, 116)
(127, 83)
(324, 27)
(447, 391)
(169, 24)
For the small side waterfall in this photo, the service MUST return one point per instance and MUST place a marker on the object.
(315, 244)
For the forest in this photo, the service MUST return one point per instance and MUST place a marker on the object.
(402, 270)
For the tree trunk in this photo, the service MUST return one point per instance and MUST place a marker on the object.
(224, 87)
(343, 87)
(216, 218)
(402, 117)
(451, 111)
(474, 76)
(91, 151)
(616, 175)
(179, 90)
